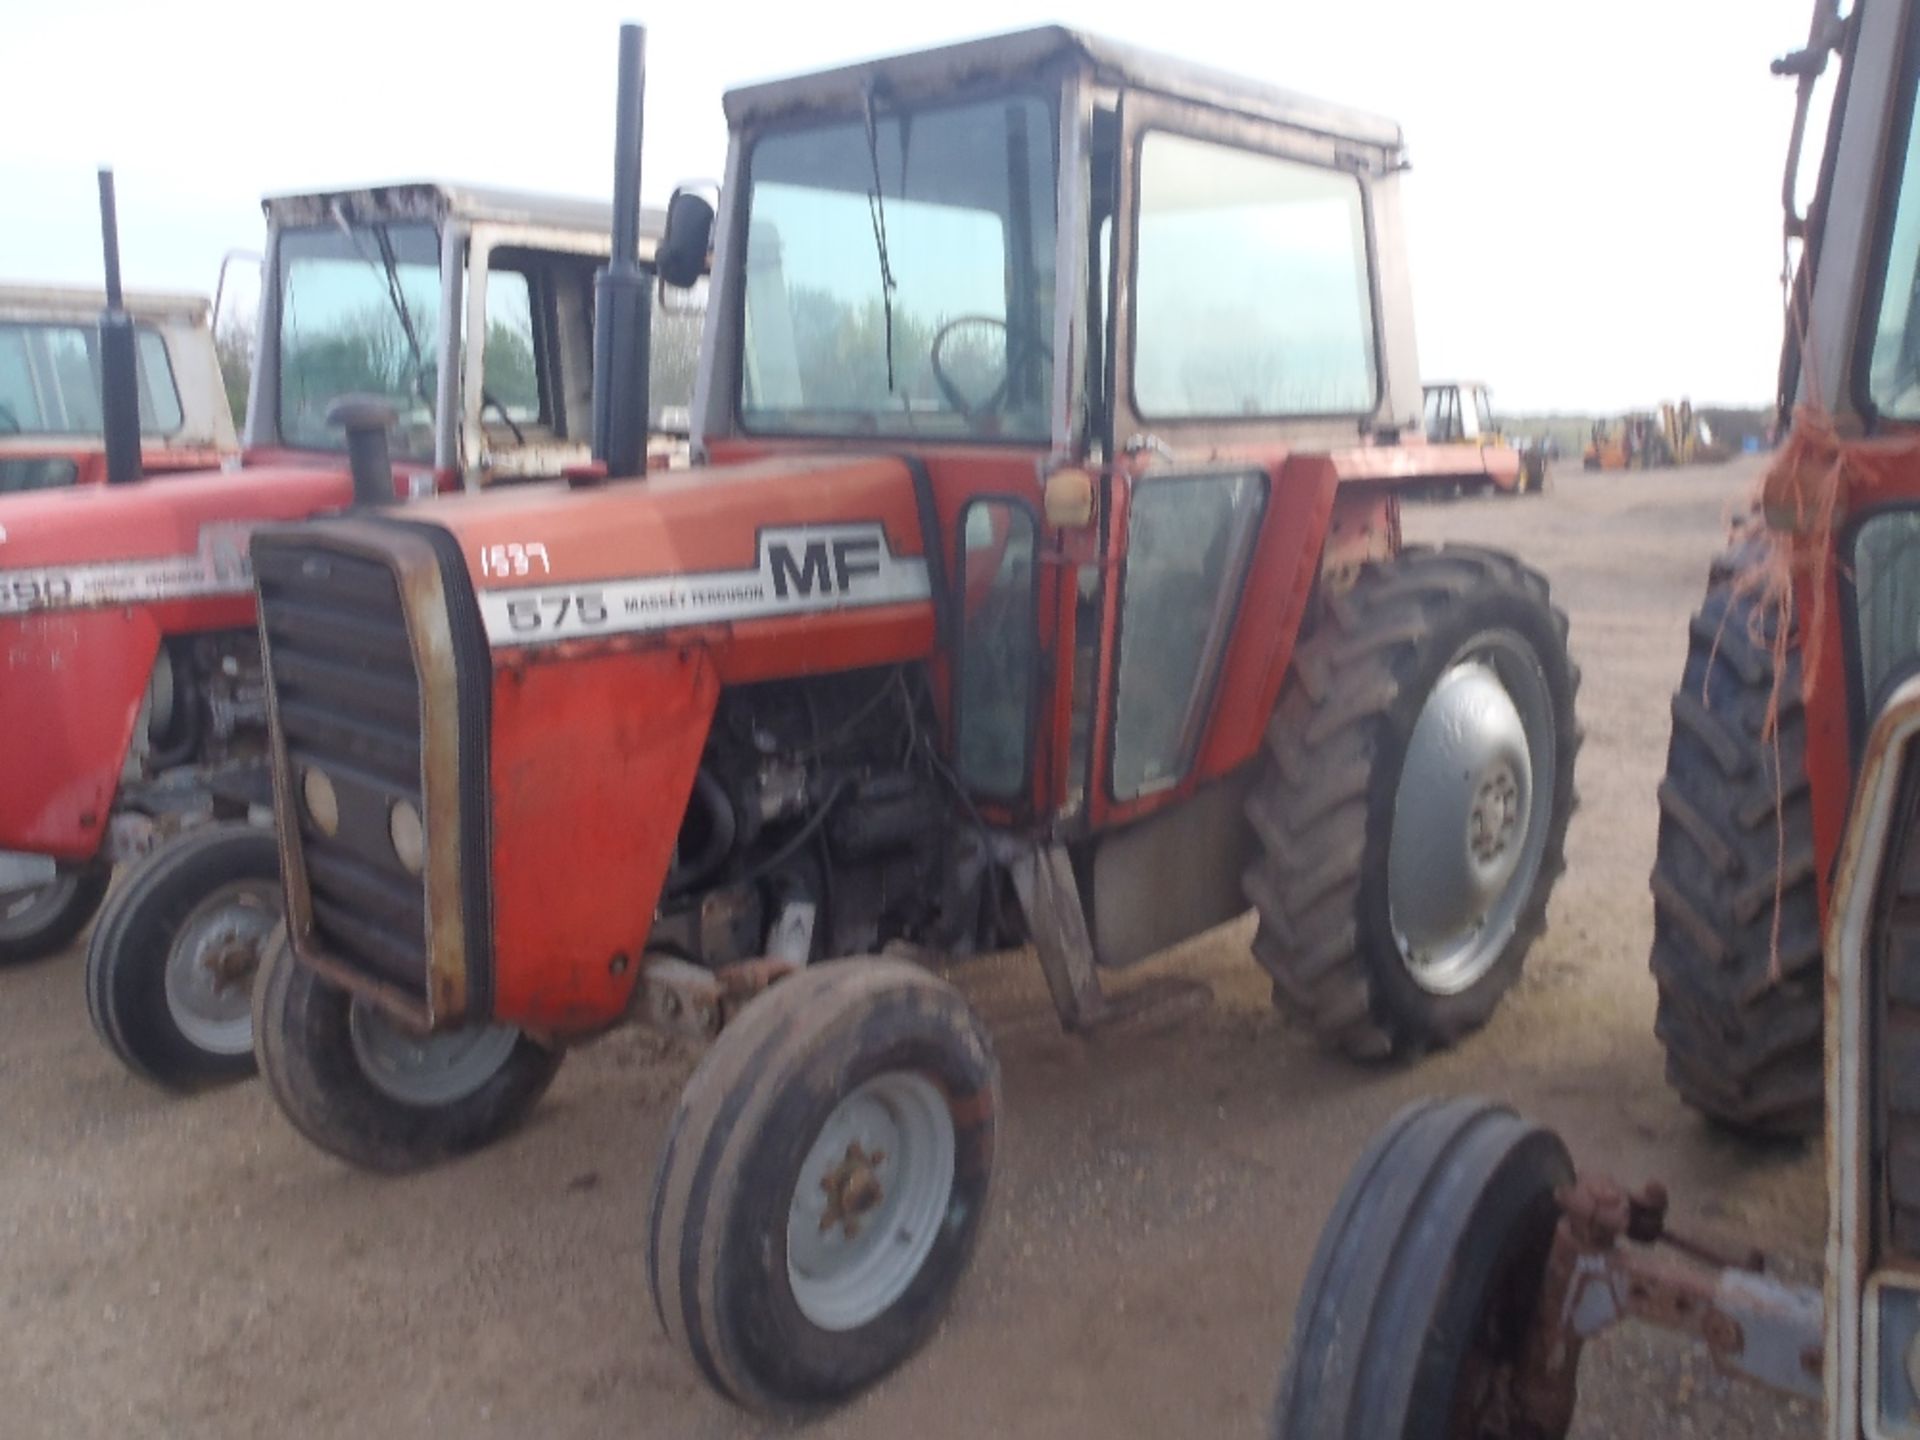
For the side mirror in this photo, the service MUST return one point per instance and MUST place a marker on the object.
(680, 259)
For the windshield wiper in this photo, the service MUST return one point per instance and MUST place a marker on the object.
(877, 212)
(390, 264)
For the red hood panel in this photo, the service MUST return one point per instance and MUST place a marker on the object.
(775, 538)
(155, 539)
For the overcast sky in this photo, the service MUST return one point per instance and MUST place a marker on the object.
(1595, 192)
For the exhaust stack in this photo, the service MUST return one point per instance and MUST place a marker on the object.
(119, 377)
(623, 292)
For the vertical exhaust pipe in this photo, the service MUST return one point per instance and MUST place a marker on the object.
(623, 292)
(119, 377)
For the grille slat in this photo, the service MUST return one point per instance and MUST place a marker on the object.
(347, 702)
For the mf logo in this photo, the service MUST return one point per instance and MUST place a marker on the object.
(831, 567)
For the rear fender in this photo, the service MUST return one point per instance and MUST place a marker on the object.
(71, 687)
(593, 762)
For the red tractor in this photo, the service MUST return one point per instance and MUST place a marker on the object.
(1466, 1265)
(1039, 579)
(134, 708)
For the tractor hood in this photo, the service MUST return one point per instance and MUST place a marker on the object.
(167, 538)
(718, 546)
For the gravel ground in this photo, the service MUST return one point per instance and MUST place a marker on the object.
(192, 1268)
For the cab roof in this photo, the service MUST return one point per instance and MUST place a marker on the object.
(28, 302)
(1023, 53)
(442, 199)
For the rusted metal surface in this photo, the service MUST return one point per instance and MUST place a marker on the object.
(687, 999)
(1753, 1325)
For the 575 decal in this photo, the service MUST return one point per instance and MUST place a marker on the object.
(531, 614)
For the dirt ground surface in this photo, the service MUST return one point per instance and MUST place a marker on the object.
(175, 1267)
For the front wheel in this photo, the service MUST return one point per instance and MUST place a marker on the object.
(41, 919)
(823, 1182)
(1426, 1283)
(1412, 811)
(365, 1088)
(170, 965)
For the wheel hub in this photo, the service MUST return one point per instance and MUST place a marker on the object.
(211, 963)
(440, 1067)
(1468, 820)
(870, 1200)
(853, 1189)
(1494, 822)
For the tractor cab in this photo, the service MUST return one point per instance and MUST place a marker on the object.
(1459, 414)
(52, 418)
(467, 310)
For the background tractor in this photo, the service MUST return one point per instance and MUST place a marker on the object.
(974, 624)
(136, 710)
(1802, 689)
(52, 419)
(1460, 417)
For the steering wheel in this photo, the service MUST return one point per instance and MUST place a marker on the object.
(1015, 349)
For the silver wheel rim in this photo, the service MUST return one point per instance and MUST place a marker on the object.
(427, 1070)
(25, 913)
(872, 1195)
(211, 962)
(1471, 813)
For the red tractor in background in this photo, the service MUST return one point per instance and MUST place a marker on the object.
(133, 700)
(51, 411)
(1039, 578)
(1466, 1265)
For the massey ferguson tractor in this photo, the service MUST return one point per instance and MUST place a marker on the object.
(133, 703)
(1039, 580)
(1466, 1264)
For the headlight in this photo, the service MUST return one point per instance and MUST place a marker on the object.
(323, 805)
(1893, 1351)
(409, 836)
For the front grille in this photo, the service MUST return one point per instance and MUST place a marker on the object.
(347, 700)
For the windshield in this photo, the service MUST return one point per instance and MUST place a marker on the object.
(900, 274)
(359, 314)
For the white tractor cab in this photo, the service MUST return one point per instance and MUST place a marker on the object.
(469, 311)
(1459, 413)
(51, 415)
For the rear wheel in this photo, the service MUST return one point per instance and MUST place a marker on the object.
(1426, 1282)
(170, 965)
(362, 1086)
(1736, 933)
(43, 919)
(823, 1182)
(1412, 812)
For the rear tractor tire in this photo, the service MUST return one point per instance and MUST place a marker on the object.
(1426, 1282)
(1412, 808)
(363, 1087)
(44, 919)
(823, 1182)
(170, 964)
(1742, 1031)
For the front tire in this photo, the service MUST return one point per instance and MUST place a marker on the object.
(1426, 1280)
(44, 920)
(363, 1088)
(1412, 810)
(823, 1183)
(1741, 1022)
(170, 965)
